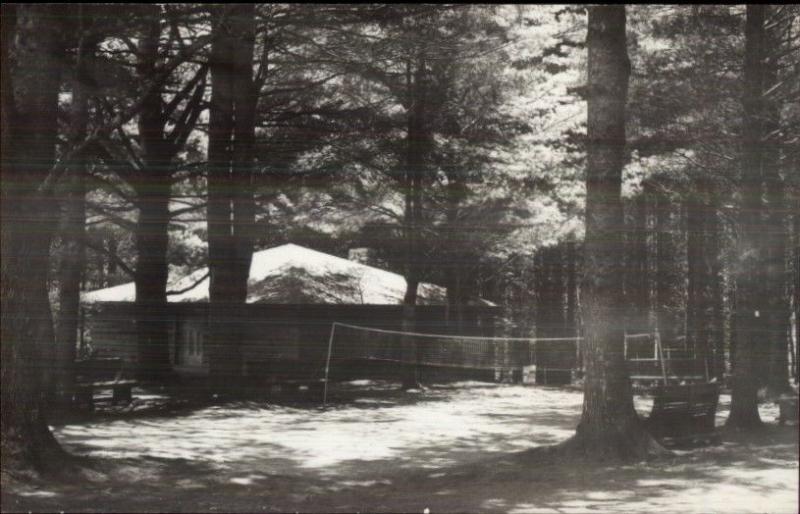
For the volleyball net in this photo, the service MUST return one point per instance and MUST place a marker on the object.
(533, 360)
(349, 342)
(356, 343)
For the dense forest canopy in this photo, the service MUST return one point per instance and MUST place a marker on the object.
(143, 142)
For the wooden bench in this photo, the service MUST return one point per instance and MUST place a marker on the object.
(99, 374)
(121, 392)
(683, 411)
(787, 406)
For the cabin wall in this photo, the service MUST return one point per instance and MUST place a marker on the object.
(278, 339)
(110, 331)
(293, 339)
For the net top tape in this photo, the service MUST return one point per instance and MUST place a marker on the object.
(475, 338)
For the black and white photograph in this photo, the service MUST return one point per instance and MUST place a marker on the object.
(400, 258)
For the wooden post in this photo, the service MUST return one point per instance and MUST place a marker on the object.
(661, 356)
(328, 366)
(625, 346)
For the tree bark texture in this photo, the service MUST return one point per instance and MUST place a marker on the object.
(796, 274)
(454, 265)
(778, 308)
(73, 232)
(703, 312)
(153, 189)
(751, 304)
(417, 145)
(231, 207)
(669, 277)
(29, 108)
(609, 426)
(637, 278)
(713, 266)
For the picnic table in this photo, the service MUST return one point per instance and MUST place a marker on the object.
(787, 405)
(98, 374)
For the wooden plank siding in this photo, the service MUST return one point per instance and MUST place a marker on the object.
(286, 338)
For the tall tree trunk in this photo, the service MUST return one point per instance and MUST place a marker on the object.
(151, 283)
(411, 373)
(243, 165)
(220, 251)
(454, 268)
(637, 291)
(696, 306)
(669, 277)
(796, 280)
(231, 208)
(153, 195)
(704, 312)
(716, 309)
(750, 301)
(29, 108)
(609, 425)
(416, 152)
(73, 231)
(778, 309)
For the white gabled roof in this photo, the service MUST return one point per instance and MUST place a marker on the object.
(295, 274)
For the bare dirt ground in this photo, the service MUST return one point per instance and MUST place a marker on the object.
(460, 448)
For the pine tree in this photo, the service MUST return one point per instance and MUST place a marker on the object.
(609, 425)
(29, 106)
(750, 313)
(231, 203)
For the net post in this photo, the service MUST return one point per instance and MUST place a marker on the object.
(625, 345)
(328, 366)
(661, 355)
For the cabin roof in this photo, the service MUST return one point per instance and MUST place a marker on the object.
(294, 274)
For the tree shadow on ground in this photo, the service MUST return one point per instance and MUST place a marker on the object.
(736, 475)
(233, 463)
(529, 481)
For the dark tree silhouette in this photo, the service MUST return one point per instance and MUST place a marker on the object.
(29, 106)
(73, 219)
(751, 317)
(163, 131)
(231, 205)
(609, 426)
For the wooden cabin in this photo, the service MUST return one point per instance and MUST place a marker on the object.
(295, 295)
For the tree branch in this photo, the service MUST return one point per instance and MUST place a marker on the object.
(117, 260)
(192, 286)
(47, 185)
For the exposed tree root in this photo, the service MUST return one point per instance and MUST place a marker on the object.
(37, 454)
(744, 423)
(632, 444)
